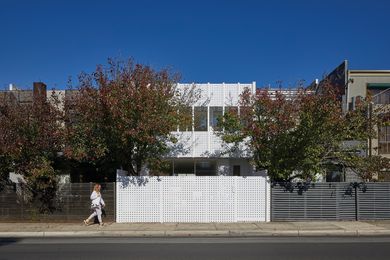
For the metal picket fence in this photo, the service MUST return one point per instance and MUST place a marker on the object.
(71, 204)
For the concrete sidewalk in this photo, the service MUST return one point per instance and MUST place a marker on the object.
(323, 228)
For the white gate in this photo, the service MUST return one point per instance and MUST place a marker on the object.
(192, 199)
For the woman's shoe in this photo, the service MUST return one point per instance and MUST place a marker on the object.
(101, 224)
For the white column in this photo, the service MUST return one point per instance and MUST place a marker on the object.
(238, 97)
(235, 197)
(193, 132)
(161, 195)
(223, 98)
(208, 119)
(267, 199)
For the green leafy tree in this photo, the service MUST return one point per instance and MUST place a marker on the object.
(297, 137)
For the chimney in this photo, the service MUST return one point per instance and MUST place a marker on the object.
(39, 89)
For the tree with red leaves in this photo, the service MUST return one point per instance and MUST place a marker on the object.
(31, 135)
(124, 114)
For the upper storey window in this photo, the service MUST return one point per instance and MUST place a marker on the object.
(384, 140)
(215, 114)
(380, 92)
(200, 118)
(186, 123)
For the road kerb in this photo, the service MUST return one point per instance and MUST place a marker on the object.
(196, 233)
(263, 233)
(384, 232)
(322, 233)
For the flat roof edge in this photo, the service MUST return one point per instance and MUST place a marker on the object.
(370, 71)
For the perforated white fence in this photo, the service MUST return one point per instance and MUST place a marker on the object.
(192, 199)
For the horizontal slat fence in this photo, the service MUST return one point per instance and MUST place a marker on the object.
(72, 204)
(331, 201)
(374, 204)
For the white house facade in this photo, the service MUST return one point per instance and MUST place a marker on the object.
(199, 150)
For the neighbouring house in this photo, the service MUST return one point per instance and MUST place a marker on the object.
(353, 85)
(26, 96)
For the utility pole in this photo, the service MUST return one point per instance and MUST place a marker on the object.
(370, 130)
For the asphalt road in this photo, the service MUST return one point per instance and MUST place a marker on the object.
(196, 248)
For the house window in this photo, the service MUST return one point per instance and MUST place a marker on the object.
(205, 168)
(215, 114)
(334, 173)
(197, 167)
(186, 119)
(384, 140)
(380, 92)
(334, 176)
(200, 118)
(184, 167)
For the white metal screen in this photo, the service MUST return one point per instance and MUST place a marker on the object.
(192, 199)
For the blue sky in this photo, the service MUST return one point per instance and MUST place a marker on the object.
(206, 41)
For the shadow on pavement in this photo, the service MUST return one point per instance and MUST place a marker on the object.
(8, 241)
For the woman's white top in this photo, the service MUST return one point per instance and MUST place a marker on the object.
(97, 199)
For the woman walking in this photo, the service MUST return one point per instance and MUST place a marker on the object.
(96, 206)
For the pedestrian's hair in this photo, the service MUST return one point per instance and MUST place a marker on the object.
(96, 186)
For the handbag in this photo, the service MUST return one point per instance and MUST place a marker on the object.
(94, 206)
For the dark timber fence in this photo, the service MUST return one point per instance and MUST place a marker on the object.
(331, 201)
(72, 204)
